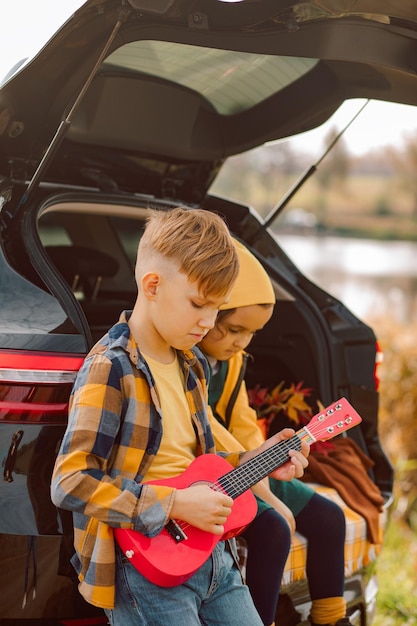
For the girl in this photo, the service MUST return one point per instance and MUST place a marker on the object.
(282, 506)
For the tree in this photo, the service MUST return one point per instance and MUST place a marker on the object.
(333, 169)
(405, 163)
(336, 164)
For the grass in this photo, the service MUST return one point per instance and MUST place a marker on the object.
(397, 575)
(397, 563)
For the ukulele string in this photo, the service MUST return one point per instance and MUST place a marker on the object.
(235, 482)
(238, 480)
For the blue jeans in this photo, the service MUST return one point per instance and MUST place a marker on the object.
(213, 596)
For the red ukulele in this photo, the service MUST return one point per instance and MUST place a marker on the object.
(171, 557)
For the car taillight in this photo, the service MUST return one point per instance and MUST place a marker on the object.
(379, 357)
(35, 386)
(85, 621)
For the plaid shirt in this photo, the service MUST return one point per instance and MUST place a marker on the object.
(113, 434)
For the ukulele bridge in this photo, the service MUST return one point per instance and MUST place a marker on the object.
(175, 530)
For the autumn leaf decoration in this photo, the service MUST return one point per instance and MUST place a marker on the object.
(290, 401)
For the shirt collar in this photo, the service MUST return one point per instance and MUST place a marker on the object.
(120, 336)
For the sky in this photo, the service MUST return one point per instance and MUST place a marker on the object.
(28, 24)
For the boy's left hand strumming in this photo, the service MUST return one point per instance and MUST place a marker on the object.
(294, 468)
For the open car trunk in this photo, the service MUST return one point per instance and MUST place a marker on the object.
(89, 242)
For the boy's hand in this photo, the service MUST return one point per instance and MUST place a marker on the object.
(202, 507)
(294, 468)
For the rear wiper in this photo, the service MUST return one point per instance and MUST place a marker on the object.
(305, 176)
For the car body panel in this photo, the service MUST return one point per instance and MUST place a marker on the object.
(26, 507)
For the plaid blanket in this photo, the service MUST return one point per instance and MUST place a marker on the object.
(359, 551)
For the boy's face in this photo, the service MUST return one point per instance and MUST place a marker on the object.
(181, 315)
(234, 332)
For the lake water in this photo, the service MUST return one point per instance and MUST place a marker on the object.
(373, 278)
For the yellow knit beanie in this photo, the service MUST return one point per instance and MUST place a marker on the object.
(253, 285)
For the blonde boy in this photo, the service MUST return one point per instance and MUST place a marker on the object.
(138, 411)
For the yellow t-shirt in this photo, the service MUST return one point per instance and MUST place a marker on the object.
(179, 441)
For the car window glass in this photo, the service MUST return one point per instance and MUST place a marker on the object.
(129, 232)
(231, 81)
(53, 233)
(98, 236)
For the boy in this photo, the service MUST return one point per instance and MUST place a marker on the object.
(138, 412)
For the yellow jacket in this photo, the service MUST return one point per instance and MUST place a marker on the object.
(242, 430)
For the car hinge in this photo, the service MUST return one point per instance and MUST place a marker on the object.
(66, 123)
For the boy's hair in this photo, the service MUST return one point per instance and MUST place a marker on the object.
(198, 241)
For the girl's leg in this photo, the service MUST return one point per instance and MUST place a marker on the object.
(269, 540)
(323, 524)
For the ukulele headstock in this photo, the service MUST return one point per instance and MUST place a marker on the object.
(335, 419)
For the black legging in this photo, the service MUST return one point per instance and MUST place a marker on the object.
(322, 523)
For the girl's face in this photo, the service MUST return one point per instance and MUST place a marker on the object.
(234, 332)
